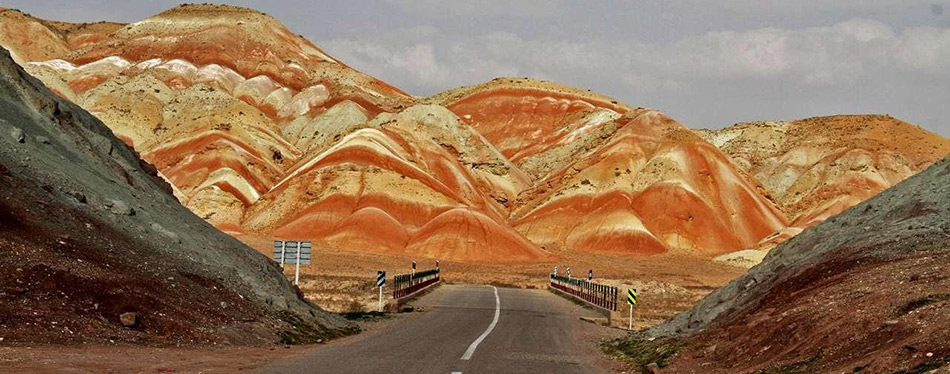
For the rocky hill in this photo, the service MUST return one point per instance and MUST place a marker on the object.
(271, 136)
(263, 134)
(817, 167)
(864, 291)
(609, 178)
(96, 249)
(223, 100)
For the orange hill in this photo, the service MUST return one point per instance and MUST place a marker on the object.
(260, 132)
(603, 180)
(816, 168)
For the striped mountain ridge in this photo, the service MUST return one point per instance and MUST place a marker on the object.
(262, 133)
(607, 177)
(818, 167)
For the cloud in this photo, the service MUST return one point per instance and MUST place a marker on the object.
(811, 6)
(413, 62)
(841, 53)
(504, 8)
(936, 10)
(925, 49)
(823, 55)
(788, 65)
(707, 63)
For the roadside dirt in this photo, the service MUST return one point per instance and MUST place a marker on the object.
(841, 317)
(210, 359)
(343, 281)
(865, 292)
(66, 285)
(122, 359)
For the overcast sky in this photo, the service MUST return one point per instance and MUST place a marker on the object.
(706, 63)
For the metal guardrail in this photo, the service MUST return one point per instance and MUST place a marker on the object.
(407, 284)
(597, 294)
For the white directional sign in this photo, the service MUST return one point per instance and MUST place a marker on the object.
(293, 252)
(287, 252)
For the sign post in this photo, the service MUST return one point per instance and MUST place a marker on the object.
(590, 275)
(413, 268)
(555, 269)
(283, 252)
(568, 272)
(298, 252)
(632, 301)
(381, 282)
(297, 271)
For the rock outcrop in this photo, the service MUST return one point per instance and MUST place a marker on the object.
(98, 249)
(817, 167)
(865, 290)
(609, 178)
(261, 133)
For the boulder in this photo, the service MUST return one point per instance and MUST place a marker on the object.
(128, 319)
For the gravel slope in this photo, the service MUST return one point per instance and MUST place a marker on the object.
(89, 232)
(865, 290)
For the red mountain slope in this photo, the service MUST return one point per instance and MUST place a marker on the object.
(816, 168)
(261, 132)
(205, 93)
(606, 181)
(864, 291)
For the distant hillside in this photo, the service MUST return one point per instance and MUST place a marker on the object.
(864, 291)
(263, 134)
(817, 167)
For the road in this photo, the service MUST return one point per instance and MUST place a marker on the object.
(466, 329)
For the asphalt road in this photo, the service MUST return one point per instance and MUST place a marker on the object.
(466, 329)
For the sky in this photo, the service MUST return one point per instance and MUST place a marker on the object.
(708, 64)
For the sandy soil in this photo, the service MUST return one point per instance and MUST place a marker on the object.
(105, 359)
(847, 317)
(99, 359)
(344, 281)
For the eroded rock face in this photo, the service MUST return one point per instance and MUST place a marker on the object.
(818, 167)
(260, 132)
(95, 239)
(609, 178)
(843, 291)
(413, 181)
(205, 93)
(32, 39)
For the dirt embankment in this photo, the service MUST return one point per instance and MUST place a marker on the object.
(94, 248)
(865, 291)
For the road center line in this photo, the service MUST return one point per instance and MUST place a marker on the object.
(471, 349)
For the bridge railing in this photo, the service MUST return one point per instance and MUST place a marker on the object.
(407, 284)
(600, 295)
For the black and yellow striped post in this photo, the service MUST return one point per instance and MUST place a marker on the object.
(632, 301)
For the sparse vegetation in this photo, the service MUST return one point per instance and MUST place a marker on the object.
(922, 302)
(302, 332)
(642, 352)
(926, 367)
(356, 316)
(801, 367)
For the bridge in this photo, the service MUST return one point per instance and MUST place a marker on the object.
(469, 329)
